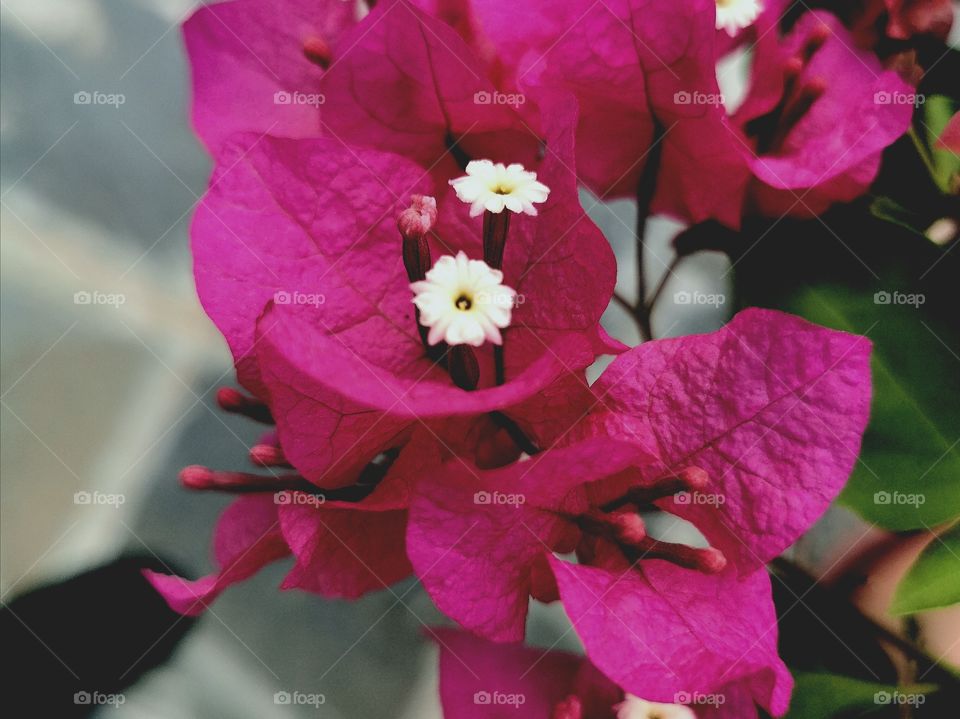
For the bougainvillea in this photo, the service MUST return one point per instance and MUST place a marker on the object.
(393, 245)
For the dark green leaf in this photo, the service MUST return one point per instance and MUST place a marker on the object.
(855, 273)
(824, 696)
(934, 579)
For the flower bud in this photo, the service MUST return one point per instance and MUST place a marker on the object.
(414, 223)
(419, 218)
(317, 51)
(569, 708)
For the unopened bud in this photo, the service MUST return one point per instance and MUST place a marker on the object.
(234, 401)
(943, 231)
(317, 51)
(268, 455)
(569, 708)
(621, 526)
(628, 527)
(419, 218)
(688, 479)
(708, 560)
(818, 35)
(414, 223)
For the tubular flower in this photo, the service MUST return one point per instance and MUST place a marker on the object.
(493, 187)
(735, 15)
(463, 301)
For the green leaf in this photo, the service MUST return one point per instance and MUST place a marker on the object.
(934, 579)
(823, 696)
(852, 272)
(907, 474)
(889, 210)
(938, 109)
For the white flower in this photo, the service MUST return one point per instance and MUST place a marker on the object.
(734, 15)
(462, 301)
(636, 708)
(493, 187)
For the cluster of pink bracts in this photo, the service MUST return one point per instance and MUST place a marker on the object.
(325, 117)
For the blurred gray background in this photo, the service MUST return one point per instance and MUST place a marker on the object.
(115, 394)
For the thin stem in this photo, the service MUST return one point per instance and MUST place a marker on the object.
(496, 226)
(930, 666)
(645, 190)
(625, 303)
(663, 283)
(640, 312)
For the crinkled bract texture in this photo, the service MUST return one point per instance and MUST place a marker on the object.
(474, 539)
(659, 631)
(771, 406)
(308, 228)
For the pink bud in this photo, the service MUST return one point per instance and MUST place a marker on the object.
(628, 527)
(266, 455)
(418, 219)
(414, 223)
(317, 51)
(569, 708)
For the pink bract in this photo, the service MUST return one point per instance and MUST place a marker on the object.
(341, 549)
(473, 670)
(771, 407)
(298, 262)
(250, 69)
